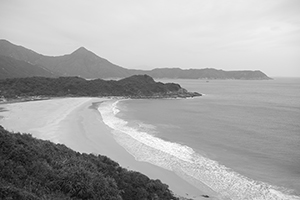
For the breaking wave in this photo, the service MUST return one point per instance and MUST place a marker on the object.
(200, 171)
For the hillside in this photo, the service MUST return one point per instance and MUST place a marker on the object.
(86, 64)
(18, 52)
(81, 62)
(137, 86)
(12, 68)
(33, 169)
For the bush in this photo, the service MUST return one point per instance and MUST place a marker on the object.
(34, 169)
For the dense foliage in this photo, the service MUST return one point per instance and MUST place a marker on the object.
(134, 86)
(35, 169)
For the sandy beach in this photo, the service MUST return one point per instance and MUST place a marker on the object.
(76, 123)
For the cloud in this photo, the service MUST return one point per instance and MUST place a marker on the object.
(158, 33)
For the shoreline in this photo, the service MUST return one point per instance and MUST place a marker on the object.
(76, 123)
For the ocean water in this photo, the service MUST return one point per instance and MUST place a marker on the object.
(241, 140)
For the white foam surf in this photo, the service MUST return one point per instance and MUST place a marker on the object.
(184, 161)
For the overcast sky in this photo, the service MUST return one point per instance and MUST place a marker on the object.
(222, 34)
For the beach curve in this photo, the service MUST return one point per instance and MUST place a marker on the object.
(74, 123)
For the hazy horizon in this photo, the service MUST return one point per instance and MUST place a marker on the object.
(228, 35)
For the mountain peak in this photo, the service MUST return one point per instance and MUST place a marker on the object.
(83, 53)
(81, 50)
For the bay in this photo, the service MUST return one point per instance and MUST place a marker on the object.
(246, 132)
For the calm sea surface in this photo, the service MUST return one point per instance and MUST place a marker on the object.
(241, 139)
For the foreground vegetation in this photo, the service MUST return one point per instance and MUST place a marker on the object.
(32, 169)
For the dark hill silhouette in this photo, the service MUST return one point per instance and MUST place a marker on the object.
(137, 86)
(86, 64)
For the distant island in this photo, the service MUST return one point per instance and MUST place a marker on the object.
(20, 62)
(136, 86)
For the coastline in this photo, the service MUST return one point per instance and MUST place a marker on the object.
(76, 123)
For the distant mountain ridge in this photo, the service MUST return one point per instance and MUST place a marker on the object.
(81, 62)
(207, 73)
(86, 64)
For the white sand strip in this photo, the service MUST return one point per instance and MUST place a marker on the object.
(72, 122)
(40, 118)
